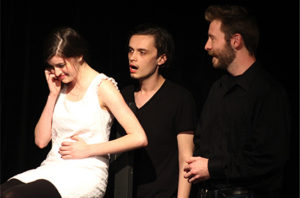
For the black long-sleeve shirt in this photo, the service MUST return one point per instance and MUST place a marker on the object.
(244, 131)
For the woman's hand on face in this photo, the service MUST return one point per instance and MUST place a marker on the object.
(54, 83)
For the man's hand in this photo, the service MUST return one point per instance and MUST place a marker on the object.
(196, 169)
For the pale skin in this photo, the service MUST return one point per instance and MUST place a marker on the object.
(196, 169)
(77, 74)
(144, 65)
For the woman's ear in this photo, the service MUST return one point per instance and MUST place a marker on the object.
(80, 59)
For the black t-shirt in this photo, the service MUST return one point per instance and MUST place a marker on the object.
(171, 110)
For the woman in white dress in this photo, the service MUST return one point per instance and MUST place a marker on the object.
(77, 119)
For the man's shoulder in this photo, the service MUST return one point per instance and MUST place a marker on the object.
(127, 91)
(177, 88)
(128, 88)
(265, 82)
(178, 92)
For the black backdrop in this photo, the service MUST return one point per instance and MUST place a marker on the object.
(24, 25)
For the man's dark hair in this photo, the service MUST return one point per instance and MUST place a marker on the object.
(164, 42)
(235, 19)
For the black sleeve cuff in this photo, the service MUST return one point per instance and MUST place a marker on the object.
(216, 169)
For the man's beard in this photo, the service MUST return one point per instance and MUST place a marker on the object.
(222, 58)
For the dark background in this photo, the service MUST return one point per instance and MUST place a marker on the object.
(24, 25)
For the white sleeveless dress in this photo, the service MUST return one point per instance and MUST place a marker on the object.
(76, 177)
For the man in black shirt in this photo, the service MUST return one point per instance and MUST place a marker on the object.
(167, 113)
(241, 142)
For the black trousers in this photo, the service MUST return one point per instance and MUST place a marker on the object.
(37, 189)
(203, 193)
(232, 192)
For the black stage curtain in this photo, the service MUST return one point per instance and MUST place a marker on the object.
(24, 25)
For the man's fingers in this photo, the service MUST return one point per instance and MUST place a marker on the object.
(193, 179)
(186, 168)
(191, 159)
(187, 175)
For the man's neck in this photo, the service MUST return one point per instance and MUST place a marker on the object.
(148, 87)
(240, 65)
(151, 84)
